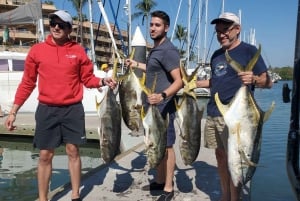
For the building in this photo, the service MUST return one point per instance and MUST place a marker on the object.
(22, 37)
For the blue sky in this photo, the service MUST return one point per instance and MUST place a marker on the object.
(274, 23)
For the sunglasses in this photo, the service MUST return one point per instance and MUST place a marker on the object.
(60, 25)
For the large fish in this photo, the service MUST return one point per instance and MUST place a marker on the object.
(244, 119)
(189, 117)
(109, 130)
(155, 127)
(130, 94)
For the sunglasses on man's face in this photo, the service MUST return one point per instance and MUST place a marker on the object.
(60, 25)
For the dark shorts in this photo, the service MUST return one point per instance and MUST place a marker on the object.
(56, 125)
(168, 110)
(171, 134)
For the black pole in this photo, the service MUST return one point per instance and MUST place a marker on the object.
(293, 135)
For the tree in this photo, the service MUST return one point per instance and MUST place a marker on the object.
(144, 7)
(181, 36)
(78, 5)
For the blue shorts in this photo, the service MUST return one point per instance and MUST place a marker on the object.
(56, 125)
(169, 109)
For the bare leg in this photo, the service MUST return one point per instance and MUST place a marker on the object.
(235, 192)
(161, 171)
(44, 173)
(74, 168)
(170, 167)
(165, 170)
(225, 178)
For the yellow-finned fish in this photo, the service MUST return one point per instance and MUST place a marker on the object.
(109, 130)
(130, 94)
(244, 119)
(155, 127)
(189, 117)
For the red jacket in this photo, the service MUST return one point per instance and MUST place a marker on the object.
(61, 71)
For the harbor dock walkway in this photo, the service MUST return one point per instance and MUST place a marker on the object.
(123, 179)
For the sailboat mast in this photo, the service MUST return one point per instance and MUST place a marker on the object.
(188, 35)
(175, 23)
(199, 31)
(205, 32)
(92, 33)
(127, 9)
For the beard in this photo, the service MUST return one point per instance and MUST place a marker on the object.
(158, 37)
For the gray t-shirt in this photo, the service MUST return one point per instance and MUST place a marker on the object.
(161, 61)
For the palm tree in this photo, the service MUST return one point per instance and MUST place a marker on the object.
(181, 36)
(78, 5)
(144, 7)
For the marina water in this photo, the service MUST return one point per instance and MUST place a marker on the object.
(270, 181)
(18, 166)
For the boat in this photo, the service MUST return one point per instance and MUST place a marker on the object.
(204, 72)
(275, 77)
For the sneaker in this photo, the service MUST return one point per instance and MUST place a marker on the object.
(77, 199)
(154, 186)
(166, 196)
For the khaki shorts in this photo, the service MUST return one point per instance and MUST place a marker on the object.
(215, 133)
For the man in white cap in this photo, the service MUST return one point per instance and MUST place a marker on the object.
(63, 68)
(226, 81)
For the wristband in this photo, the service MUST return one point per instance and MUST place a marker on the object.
(102, 82)
(164, 95)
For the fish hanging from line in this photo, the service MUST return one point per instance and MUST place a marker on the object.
(189, 119)
(109, 130)
(130, 94)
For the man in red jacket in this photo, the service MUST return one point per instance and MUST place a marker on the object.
(63, 68)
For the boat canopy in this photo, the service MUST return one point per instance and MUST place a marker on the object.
(25, 14)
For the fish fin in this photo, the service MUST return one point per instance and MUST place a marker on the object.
(177, 105)
(253, 61)
(235, 65)
(132, 53)
(97, 103)
(267, 114)
(193, 76)
(222, 108)
(115, 68)
(238, 67)
(245, 158)
(143, 78)
(143, 114)
(183, 73)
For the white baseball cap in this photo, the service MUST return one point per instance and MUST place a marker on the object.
(63, 15)
(227, 17)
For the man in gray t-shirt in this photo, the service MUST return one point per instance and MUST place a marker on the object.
(163, 65)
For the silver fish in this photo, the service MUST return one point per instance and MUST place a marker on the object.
(189, 117)
(244, 119)
(155, 135)
(155, 127)
(109, 130)
(130, 94)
